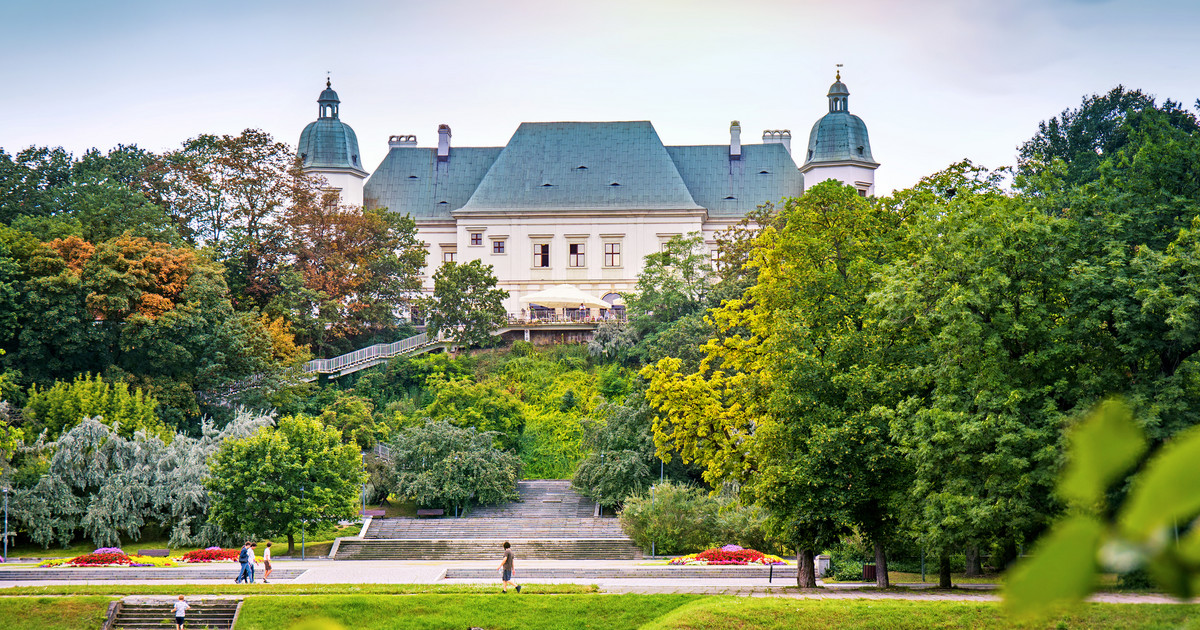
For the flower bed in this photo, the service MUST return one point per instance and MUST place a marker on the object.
(106, 557)
(212, 554)
(729, 554)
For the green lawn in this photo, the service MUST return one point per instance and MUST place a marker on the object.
(52, 613)
(430, 612)
(454, 607)
(728, 613)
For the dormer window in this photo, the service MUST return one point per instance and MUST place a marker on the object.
(614, 184)
(581, 168)
(860, 149)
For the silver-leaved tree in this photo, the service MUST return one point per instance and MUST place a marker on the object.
(110, 487)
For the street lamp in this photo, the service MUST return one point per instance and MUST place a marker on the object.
(302, 523)
(5, 489)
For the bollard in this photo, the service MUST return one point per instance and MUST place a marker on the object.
(771, 574)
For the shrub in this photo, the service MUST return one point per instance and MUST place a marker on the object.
(677, 518)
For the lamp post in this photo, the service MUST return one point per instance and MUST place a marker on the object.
(302, 524)
(6, 523)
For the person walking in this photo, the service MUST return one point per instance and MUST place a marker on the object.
(506, 570)
(267, 562)
(244, 559)
(181, 607)
(250, 553)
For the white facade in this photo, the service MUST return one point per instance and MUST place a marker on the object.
(850, 173)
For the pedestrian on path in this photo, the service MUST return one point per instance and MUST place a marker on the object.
(180, 610)
(252, 560)
(506, 570)
(267, 562)
(244, 559)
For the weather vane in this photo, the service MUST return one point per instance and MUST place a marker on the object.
(839, 72)
(329, 83)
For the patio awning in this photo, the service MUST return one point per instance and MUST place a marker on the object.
(564, 296)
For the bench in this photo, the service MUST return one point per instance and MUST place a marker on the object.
(155, 553)
(424, 513)
(373, 512)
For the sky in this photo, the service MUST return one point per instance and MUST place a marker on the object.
(935, 81)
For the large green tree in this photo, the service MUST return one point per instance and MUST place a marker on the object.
(281, 478)
(466, 305)
(441, 465)
(784, 400)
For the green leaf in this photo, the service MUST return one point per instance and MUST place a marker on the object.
(1061, 570)
(1103, 447)
(1170, 573)
(1167, 492)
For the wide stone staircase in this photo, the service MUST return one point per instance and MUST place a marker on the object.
(205, 613)
(551, 521)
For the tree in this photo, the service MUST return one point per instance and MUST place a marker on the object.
(484, 406)
(466, 305)
(351, 270)
(439, 464)
(59, 408)
(622, 453)
(1083, 138)
(981, 302)
(111, 486)
(278, 479)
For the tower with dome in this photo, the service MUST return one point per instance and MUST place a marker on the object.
(838, 146)
(329, 148)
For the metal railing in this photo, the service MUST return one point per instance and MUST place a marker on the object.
(366, 357)
(560, 318)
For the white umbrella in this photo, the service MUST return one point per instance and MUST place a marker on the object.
(563, 296)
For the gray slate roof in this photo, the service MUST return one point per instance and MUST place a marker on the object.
(329, 143)
(411, 181)
(731, 188)
(650, 176)
(581, 165)
(838, 137)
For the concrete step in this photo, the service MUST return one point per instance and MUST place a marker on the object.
(484, 549)
(611, 573)
(202, 614)
(227, 571)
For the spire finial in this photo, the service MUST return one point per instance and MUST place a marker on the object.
(838, 77)
(329, 84)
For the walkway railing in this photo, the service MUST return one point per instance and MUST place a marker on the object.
(368, 357)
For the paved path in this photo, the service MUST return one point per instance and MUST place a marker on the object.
(432, 572)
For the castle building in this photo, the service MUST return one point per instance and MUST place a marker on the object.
(580, 203)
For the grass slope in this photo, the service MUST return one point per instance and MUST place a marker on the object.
(52, 613)
(729, 613)
(430, 612)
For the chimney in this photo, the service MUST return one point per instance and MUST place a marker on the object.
(443, 143)
(779, 136)
(735, 140)
(402, 141)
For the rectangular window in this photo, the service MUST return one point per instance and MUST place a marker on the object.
(449, 256)
(575, 255)
(498, 246)
(612, 254)
(716, 259)
(541, 254)
(477, 238)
